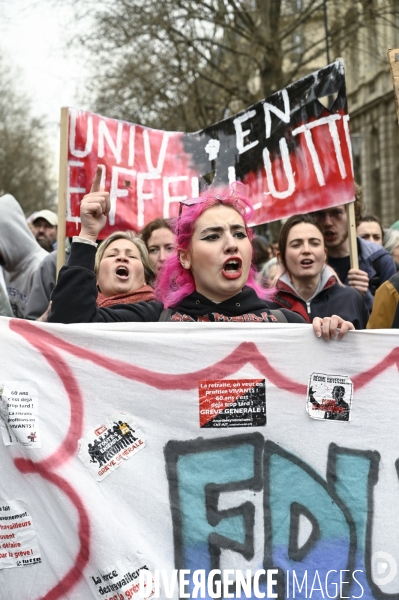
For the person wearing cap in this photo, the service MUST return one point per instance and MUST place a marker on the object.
(44, 227)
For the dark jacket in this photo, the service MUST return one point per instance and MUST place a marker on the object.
(376, 261)
(74, 301)
(378, 264)
(329, 299)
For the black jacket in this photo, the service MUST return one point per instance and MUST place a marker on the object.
(376, 262)
(332, 299)
(74, 301)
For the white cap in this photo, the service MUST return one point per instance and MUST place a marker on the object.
(47, 215)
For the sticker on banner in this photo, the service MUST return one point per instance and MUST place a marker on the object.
(232, 403)
(120, 580)
(329, 397)
(103, 449)
(19, 410)
(18, 541)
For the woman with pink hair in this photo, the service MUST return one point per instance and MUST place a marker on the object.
(210, 278)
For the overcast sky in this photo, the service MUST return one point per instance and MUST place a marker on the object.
(34, 34)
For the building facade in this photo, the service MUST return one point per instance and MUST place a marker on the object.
(371, 102)
(360, 33)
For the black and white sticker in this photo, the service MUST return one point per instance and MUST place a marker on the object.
(329, 397)
(103, 449)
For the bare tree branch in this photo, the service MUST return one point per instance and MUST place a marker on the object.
(181, 63)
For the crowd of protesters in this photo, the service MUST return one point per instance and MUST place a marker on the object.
(302, 276)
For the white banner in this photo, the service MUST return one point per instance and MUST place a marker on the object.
(187, 450)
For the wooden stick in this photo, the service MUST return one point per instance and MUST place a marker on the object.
(350, 208)
(350, 211)
(62, 188)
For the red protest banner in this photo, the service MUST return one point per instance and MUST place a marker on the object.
(292, 150)
(146, 170)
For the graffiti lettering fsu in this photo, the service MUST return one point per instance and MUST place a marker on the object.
(337, 512)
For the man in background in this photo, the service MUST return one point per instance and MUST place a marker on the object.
(43, 225)
(376, 265)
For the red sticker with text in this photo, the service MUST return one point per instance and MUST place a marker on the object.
(232, 403)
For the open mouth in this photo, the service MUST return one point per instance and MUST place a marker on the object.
(232, 268)
(306, 262)
(122, 272)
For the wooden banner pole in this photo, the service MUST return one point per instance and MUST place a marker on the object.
(350, 211)
(350, 208)
(62, 188)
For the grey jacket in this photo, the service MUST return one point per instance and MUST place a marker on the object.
(43, 284)
(5, 306)
(20, 254)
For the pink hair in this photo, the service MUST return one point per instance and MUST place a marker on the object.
(174, 282)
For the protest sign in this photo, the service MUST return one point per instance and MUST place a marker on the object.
(312, 501)
(292, 150)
